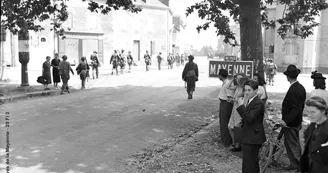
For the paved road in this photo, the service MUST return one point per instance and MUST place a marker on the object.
(98, 129)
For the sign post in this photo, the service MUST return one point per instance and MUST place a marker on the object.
(245, 67)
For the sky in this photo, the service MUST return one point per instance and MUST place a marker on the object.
(198, 40)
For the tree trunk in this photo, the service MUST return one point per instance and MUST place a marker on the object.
(24, 55)
(251, 34)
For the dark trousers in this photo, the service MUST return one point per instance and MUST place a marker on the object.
(251, 158)
(159, 65)
(292, 144)
(95, 68)
(225, 114)
(191, 85)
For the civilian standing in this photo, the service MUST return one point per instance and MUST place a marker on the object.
(55, 70)
(319, 83)
(292, 113)
(82, 70)
(235, 119)
(315, 155)
(251, 109)
(46, 72)
(190, 75)
(159, 60)
(225, 107)
(64, 69)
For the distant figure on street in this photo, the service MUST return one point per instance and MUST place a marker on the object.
(190, 76)
(251, 110)
(319, 83)
(122, 61)
(46, 72)
(225, 107)
(177, 57)
(182, 59)
(315, 153)
(82, 70)
(55, 70)
(292, 117)
(115, 61)
(130, 61)
(64, 69)
(271, 69)
(147, 60)
(169, 61)
(95, 64)
(159, 60)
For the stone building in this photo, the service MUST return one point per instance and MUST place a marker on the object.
(87, 32)
(307, 54)
(177, 42)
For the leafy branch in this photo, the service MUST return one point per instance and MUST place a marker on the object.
(298, 18)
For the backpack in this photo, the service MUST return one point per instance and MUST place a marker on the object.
(191, 73)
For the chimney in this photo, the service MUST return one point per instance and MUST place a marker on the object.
(165, 2)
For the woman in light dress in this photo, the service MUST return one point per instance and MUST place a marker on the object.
(235, 119)
(261, 92)
(319, 84)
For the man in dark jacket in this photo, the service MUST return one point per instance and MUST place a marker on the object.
(251, 109)
(190, 75)
(292, 112)
(159, 60)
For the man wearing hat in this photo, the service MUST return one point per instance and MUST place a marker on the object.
(95, 64)
(319, 83)
(292, 111)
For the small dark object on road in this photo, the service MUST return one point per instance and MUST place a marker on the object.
(144, 110)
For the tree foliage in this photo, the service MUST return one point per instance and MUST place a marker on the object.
(19, 15)
(298, 17)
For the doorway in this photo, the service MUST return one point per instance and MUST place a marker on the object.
(136, 49)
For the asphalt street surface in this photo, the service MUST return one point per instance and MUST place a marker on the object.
(97, 129)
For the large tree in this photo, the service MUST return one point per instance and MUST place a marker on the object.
(298, 19)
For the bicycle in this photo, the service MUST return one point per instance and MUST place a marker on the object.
(273, 148)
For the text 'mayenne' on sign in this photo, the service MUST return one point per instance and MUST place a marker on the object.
(245, 67)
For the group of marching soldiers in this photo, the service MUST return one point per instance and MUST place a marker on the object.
(178, 59)
(119, 60)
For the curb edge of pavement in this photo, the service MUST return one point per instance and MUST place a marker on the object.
(25, 96)
(199, 134)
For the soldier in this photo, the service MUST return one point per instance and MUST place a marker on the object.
(95, 64)
(147, 60)
(130, 61)
(271, 69)
(169, 61)
(159, 60)
(190, 75)
(115, 60)
(122, 61)
(64, 68)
